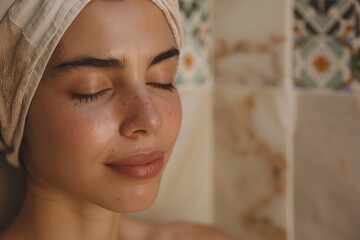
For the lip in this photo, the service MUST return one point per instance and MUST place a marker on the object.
(139, 166)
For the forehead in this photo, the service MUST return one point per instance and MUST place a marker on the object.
(114, 27)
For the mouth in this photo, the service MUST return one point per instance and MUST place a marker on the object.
(139, 166)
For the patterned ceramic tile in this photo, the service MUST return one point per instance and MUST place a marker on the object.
(327, 44)
(249, 41)
(327, 167)
(195, 60)
(252, 162)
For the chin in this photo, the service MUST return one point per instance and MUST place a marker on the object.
(134, 199)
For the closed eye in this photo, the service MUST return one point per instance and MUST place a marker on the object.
(168, 86)
(85, 98)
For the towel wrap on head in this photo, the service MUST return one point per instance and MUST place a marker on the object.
(29, 32)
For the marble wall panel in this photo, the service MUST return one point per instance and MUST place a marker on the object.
(327, 45)
(327, 167)
(249, 41)
(252, 162)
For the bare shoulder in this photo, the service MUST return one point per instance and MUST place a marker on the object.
(191, 231)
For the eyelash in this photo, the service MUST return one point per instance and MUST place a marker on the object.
(93, 97)
(169, 86)
(86, 98)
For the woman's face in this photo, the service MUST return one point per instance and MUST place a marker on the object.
(105, 117)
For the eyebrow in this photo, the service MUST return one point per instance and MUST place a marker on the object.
(165, 55)
(93, 62)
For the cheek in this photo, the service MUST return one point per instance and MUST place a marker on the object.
(65, 138)
(172, 115)
(80, 134)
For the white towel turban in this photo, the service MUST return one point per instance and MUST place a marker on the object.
(29, 33)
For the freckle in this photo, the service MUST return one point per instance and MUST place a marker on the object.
(65, 104)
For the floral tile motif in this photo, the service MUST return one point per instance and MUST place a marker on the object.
(195, 59)
(327, 44)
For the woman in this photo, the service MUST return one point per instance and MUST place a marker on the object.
(103, 120)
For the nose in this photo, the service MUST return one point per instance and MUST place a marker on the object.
(143, 116)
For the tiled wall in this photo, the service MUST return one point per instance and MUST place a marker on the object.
(269, 148)
(327, 75)
(249, 42)
(326, 44)
(327, 167)
(252, 162)
(253, 119)
(196, 56)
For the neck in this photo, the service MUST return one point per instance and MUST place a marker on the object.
(59, 216)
